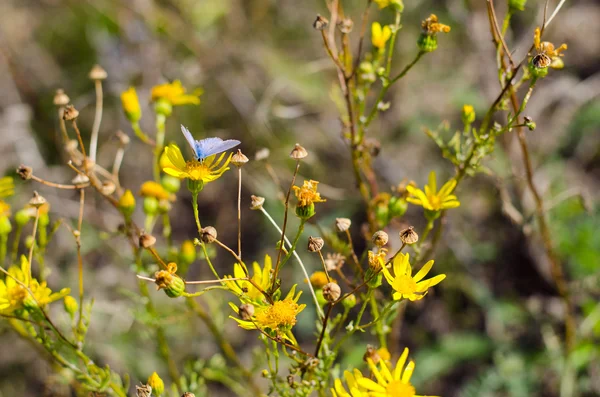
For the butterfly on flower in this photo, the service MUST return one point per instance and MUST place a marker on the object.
(207, 147)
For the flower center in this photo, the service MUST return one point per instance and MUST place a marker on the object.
(398, 389)
(197, 170)
(435, 201)
(405, 284)
(279, 314)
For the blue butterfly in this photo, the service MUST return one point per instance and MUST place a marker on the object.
(207, 147)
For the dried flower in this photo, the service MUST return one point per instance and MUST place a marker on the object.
(37, 200)
(315, 244)
(60, 98)
(25, 172)
(377, 260)
(246, 311)
(209, 234)
(143, 391)
(173, 285)
(342, 224)
(239, 159)
(257, 202)
(320, 22)
(380, 238)
(332, 292)
(70, 113)
(430, 28)
(346, 25)
(298, 153)
(334, 261)
(545, 54)
(409, 236)
(98, 73)
(147, 240)
(371, 354)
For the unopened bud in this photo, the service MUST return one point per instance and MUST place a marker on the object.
(60, 98)
(157, 384)
(331, 292)
(320, 23)
(342, 224)
(70, 113)
(239, 159)
(24, 172)
(37, 200)
(529, 123)
(147, 240)
(127, 203)
(349, 302)
(298, 153)
(98, 73)
(257, 202)
(409, 236)
(246, 311)
(209, 234)
(71, 305)
(315, 244)
(380, 238)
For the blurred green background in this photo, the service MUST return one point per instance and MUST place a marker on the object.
(491, 329)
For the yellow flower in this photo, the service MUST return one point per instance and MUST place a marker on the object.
(390, 384)
(377, 260)
(156, 190)
(431, 26)
(278, 317)
(156, 383)
(7, 188)
(383, 3)
(131, 105)
(206, 170)
(14, 294)
(468, 114)
(307, 194)
(380, 36)
(174, 93)
(546, 53)
(352, 379)
(405, 284)
(431, 199)
(247, 292)
(319, 279)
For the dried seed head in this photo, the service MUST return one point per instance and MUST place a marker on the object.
(342, 224)
(123, 138)
(143, 391)
(299, 152)
(345, 25)
(380, 238)
(262, 154)
(60, 98)
(80, 179)
(108, 188)
(332, 292)
(209, 234)
(246, 311)
(147, 240)
(70, 113)
(239, 159)
(372, 354)
(257, 202)
(98, 73)
(37, 200)
(188, 394)
(320, 22)
(25, 172)
(315, 244)
(334, 261)
(409, 236)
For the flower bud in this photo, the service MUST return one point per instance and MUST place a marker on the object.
(397, 207)
(70, 113)
(37, 200)
(194, 186)
(516, 5)
(23, 216)
(257, 202)
(239, 159)
(131, 105)
(209, 234)
(150, 206)
(60, 98)
(163, 107)
(320, 23)
(108, 188)
(305, 212)
(318, 279)
(468, 114)
(157, 384)
(24, 172)
(187, 253)
(380, 238)
(147, 240)
(170, 183)
(373, 277)
(298, 153)
(98, 73)
(173, 285)
(409, 236)
(315, 244)
(427, 43)
(246, 311)
(127, 203)
(349, 302)
(5, 225)
(70, 305)
(332, 292)
(342, 224)
(529, 123)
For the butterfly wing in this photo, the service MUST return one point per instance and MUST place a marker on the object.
(188, 136)
(209, 146)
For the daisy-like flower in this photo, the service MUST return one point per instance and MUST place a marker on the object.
(14, 295)
(391, 382)
(131, 105)
(354, 389)
(206, 170)
(277, 318)
(247, 292)
(546, 53)
(155, 190)
(174, 93)
(405, 284)
(379, 35)
(431, 199)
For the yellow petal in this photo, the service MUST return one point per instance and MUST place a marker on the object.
(448, 188)
(400, 364)
(175, 157)
(408, 372)
(423, 272)
(432, 183)
(370, 385)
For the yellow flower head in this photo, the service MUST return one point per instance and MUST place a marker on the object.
(545, 51)
(174, 93)
(14, 294)
(319, 279)
(431, 199)
(247, 292)
(278, 317)
(352, 380)
(7, 188)
(131, 105)
(307, 194)
(379, 35)
(206, 170)
(156, 190)
(391, 382)
(405, 284)
(431, 26)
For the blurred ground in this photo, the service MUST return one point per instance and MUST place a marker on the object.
(267, 82)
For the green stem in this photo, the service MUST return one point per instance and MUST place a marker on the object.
(160, 141)
(378, 324)
(199, 227)
(294, 243)
(16, 242)
(3, 244)
(392, 43)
